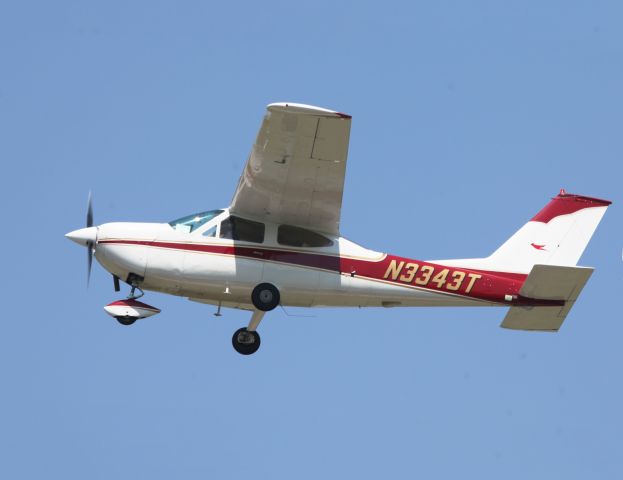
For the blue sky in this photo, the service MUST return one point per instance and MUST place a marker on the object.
(467, 118)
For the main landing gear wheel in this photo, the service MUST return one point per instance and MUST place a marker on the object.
(245, 342)
(126, 320)
(265, 297)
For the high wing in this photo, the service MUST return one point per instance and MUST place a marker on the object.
(295, 172)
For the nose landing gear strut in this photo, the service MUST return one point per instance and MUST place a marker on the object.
(129, 310)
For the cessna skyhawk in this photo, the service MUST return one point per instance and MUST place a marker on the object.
(279, 243)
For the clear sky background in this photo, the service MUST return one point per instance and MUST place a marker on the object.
(467, 118)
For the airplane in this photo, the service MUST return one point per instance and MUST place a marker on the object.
(279, 244)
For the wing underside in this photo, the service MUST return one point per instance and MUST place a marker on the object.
(295, 172)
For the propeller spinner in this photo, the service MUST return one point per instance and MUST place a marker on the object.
(86, 236)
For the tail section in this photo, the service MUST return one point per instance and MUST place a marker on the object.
(547, 248)
(547, 282)
(557, 235)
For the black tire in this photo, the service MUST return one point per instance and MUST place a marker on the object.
(265, 297)
(245, 346)
(126, 320)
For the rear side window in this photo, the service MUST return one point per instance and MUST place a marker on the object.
(301, 237)
(236, 228)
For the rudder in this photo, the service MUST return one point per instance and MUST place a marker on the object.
(557, 235)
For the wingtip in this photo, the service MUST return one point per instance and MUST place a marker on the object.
(304, 109)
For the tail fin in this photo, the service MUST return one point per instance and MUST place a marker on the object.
(557, 235)
(547, 248)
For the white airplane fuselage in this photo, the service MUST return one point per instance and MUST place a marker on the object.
(222, 271)
(278, 243)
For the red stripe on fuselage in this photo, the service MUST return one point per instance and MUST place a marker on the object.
(478, 284)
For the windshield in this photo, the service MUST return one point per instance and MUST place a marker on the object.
(193, 222)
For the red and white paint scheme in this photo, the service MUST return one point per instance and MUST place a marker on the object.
(129, 310)
(279, 243)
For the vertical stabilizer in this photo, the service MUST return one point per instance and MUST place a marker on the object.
(557, 235)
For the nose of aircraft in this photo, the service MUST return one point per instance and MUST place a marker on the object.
(83, 236)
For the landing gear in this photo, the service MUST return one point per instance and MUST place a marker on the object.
(126, 320)
(265, 297)
(246, 342)
(133, 295)
(128, 311)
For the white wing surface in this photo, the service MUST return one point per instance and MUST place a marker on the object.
(295, 172)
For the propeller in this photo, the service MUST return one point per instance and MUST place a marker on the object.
(90, 245)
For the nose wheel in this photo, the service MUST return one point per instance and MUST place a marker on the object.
(126, 320)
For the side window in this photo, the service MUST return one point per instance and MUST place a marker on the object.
(237, 228)
(210, 232)
(301, 237)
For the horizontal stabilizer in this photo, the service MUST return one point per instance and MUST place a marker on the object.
(547, 282)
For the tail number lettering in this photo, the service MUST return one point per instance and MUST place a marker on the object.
(422, 275)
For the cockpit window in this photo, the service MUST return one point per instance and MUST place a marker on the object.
(301, 237)
(193, 222)
(237, 228)
(210, 232)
